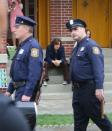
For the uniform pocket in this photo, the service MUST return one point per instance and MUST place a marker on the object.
(80, 54)
(20, 57)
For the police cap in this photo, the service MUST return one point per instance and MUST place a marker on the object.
(11, 119)
(24, 20)
(75, 23)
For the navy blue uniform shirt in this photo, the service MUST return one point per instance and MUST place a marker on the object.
(27, 65)
(52, 55)
(87, 62)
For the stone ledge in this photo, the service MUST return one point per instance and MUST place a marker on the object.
(64, 39)
(3, 58)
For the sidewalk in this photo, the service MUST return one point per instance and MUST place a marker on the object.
(92, 127)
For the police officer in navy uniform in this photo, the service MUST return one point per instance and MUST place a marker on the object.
(87, 76)
(26, 67)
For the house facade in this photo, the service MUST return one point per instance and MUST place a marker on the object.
(52, 15)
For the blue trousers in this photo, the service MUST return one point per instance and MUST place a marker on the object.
(86, 106)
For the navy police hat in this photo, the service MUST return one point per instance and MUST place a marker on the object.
(24, 20)
(75, 23)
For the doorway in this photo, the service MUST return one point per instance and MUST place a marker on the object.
(30, 9)
(96, 13)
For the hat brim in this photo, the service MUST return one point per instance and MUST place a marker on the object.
(77, 25)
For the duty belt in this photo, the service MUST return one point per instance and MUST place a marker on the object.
(19, 84)
(76, 85)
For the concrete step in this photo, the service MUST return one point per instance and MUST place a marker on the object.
(55, 79)
(108, 107)
(108, 77)
(55, 106)
(55, 72)
(63, 95)
(48, 102)
(108, 60)
(56, 96)
(107, 85)
(55, 103)
(108, 68)
(107, 51)
(108, 96)
(56, 88)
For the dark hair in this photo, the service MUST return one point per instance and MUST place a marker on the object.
(56, 41)
(87, 30)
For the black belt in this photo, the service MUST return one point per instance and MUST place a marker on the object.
(18, 84)
(78, 84)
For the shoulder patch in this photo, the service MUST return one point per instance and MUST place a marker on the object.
(34, 52)
(96, 50)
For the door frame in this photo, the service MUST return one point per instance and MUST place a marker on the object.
(41, 15)
(43, 23)
(74, 15)
(110, 23)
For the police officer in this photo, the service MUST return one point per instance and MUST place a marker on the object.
(27, 63)
(87, 76)
(11, 119)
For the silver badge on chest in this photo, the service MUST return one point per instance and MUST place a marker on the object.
(82, 48)
(21, 51)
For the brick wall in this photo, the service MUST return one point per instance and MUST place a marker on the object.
(2, 63)
(2, 51)
(60, 12)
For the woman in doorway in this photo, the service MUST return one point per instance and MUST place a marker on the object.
(15, 9)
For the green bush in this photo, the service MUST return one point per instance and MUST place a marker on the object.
(11, 51)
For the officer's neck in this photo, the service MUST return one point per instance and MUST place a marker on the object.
(81, 38)
(25, 37)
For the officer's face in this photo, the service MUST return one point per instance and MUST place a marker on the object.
(20, 31)
(78, 33)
